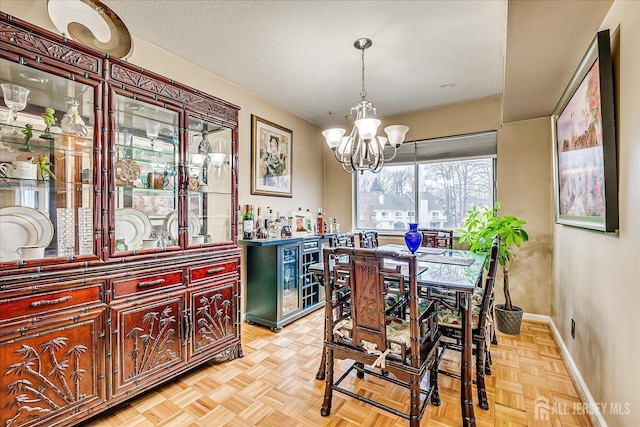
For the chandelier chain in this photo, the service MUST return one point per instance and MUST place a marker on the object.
(363, 93)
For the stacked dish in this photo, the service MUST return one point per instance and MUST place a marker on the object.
(22, 226)
(171, 225)
(132, 225)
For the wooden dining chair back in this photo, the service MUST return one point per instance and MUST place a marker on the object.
(343, 239)
(368, 239)
(437, 238)
(401, 350)
(450, 322)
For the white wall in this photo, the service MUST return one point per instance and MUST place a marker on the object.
(596, 277)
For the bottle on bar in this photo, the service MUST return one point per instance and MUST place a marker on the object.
(261, 231)
(247, 223)
(320, 222)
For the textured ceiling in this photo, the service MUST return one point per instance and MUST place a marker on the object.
(300, 55)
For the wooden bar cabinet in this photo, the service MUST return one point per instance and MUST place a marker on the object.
(119, 264)
(280, 287)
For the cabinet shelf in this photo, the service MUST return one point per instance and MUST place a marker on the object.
(71, 144)
(138, 153)
(146, 190)
(10, 184)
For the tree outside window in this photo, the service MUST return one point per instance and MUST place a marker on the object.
(446, 190)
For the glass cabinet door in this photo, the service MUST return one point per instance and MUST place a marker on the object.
(146, 176)
(290, 280)
(209, 174)
(46, 165)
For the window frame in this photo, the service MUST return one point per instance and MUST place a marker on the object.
(416, 164)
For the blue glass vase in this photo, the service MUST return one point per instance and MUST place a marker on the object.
(413, 238)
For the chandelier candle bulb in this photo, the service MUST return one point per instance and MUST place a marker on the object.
(396, 134)
(333, 137)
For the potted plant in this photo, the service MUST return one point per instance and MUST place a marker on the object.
(478, 230)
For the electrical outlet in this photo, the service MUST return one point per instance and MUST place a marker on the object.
(573, 329)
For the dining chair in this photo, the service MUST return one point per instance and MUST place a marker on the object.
(401, 350)
(437, 238)
(343, 239)
(449, 322)
(368, 239)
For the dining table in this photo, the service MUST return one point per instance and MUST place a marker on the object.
(452, 270)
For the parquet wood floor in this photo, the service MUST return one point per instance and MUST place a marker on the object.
(274, 385)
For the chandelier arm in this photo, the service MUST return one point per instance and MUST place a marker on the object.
(379, 162)
(395, 151)
(354, 166)
(347, 170)
(378, 167)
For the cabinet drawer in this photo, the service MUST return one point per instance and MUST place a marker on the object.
(210, 271)
(310, 245)
(41, 303)
(130, 285)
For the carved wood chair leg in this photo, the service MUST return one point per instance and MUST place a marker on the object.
(360, 373)
(414, 413)
(433, 379)
(323, 362)
(328, 389)
(487, 363)
(480, 363)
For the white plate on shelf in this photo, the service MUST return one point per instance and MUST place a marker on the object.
(38, 219)
(170, 224)
(16, 231)
(132, 225)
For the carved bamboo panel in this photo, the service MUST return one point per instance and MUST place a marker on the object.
(212, 316)
(149, 338)
(51, 374)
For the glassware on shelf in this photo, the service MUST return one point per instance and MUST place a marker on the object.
(152, 129)
(4, 117)
(15, 98)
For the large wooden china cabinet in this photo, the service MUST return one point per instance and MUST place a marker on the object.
(119, 265)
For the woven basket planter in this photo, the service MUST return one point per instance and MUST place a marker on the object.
(508, 321)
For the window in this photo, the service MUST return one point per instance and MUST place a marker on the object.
(434, 181)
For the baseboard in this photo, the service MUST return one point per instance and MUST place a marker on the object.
(594, 414)
(536, 318)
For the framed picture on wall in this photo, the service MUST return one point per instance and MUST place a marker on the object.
(584, 144)
(271, 158)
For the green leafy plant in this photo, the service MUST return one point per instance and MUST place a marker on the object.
(478, 230)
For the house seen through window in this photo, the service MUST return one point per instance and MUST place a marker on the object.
(431, 182)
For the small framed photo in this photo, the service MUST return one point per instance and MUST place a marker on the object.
(271, 158)
(302, 223)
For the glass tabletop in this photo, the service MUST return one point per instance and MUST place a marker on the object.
(447, 269)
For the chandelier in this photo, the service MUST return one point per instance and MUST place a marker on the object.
(362, 150)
